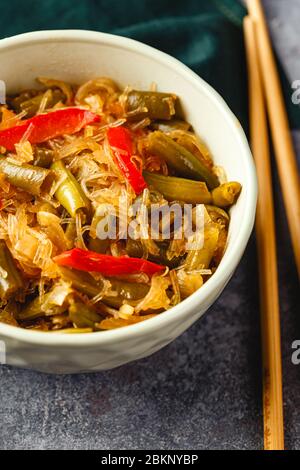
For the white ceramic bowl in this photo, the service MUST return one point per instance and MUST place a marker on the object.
(77, 56)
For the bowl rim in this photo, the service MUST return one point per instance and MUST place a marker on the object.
(228, 263)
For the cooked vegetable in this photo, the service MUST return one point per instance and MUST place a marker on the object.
(10, 278)
(162, 258)
(179, 189)
(90, 261)
(70, 232)
(60, 88)
(221, 218)
(180, 159)
(122, 291)
(16, 101)
(35, 309)
(9, 313)
(69, 192)
(226, 194)
(43, 157)
(52, 303)
(71, 331)
(201, 257)
(83, 282)
(170, 126)
(50, 225)
(218, 215)
(100, 246)
(32, 105)
(134, 248)
(188, 282)
(119, 290)
(83, 316)
(111, 323)
(29, 178)
(120, 140)
(7, 118)
(48, 126)
(157, 297)
(95, 231)
(151, 104)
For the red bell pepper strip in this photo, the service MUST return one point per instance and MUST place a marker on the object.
(119, 139)
(48, 126)
(107, 265)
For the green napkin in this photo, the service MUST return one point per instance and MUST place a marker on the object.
(206, 35)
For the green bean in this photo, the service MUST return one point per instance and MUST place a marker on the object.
(29, 178)
(129, 290)
(81, 281)
(173, 125)
(83, 316)
(9, 313)
(155, 197)
(72, 331)
(71, 233)
(32, 105)
(98, 245)
(218, 216)
(47, 207)
(180, 159)
(152, 104)
(10, 278)
(221, 218)
(16, 101)
(163, 259)
(69, 193)
(85, 283)
(226, 194)
(179, 189)
(43, 157)
(12, 307)
(201, 258)
(134, 248)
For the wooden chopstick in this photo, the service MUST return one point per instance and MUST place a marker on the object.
(266, 246)
(283, 145)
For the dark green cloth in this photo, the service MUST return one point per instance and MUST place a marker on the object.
(204, 34)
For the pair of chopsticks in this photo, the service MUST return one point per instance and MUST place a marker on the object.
(265, 98)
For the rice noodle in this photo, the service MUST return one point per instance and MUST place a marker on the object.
(79, 231)
(63, 86)
(157, 297)
(103, 86)
(37, 229)
(47, 96)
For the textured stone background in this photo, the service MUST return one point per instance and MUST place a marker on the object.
(201, 392)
